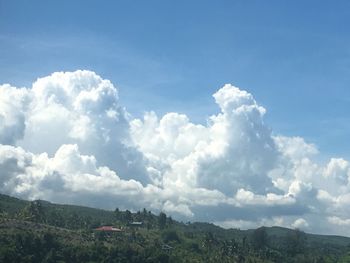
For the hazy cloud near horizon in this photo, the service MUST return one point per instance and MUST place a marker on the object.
(67, 139)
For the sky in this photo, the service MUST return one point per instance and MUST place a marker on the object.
(243, 105)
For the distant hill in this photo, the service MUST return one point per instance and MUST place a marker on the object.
(40, 231)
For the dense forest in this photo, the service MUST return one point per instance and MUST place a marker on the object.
(39, 231)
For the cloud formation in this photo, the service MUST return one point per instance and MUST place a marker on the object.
(67, 139)
(81, 108)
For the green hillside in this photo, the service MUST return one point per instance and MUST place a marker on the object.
(40, 231)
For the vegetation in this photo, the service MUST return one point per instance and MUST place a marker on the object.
(40, 231)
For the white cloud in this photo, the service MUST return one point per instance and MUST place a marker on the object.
(182, 209)
(67, 139)
(13, 104)
(249, 198)
(234, 150)
(338, 221)
(300, 223)
(13, 163)
(339, 170)
(82, 108)
(295, 147)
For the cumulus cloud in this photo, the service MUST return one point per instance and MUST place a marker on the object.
(339, 170)
(81, 108)
(68, 139)
(339, 221)
(249, 198)
(300, 223)
(13, 104)
(67, 172)
(234, 150)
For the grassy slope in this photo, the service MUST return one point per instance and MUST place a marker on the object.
(12, 205)
(191, 236)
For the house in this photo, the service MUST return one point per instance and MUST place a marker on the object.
(166, 247)
(108, 229)
(135, 223)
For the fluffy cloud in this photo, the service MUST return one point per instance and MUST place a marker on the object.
(300, 223)
(13, 104)
(339, 170)
(67, 139)
(81, 108)
(338, 221)
(67, 172)
(234, 150)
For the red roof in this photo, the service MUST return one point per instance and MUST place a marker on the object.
(108, 228)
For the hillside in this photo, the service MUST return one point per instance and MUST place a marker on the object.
(40, 231)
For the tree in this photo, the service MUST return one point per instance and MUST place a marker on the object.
(128, 216)
(144, 214)
(296, 242)
(170, 235)
(34, 212)
(138, 216)
(170, 220)
(162, 220)
(209, 240)
(259, 238)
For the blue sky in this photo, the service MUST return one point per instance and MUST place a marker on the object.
(169, 61)
(171, 56)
